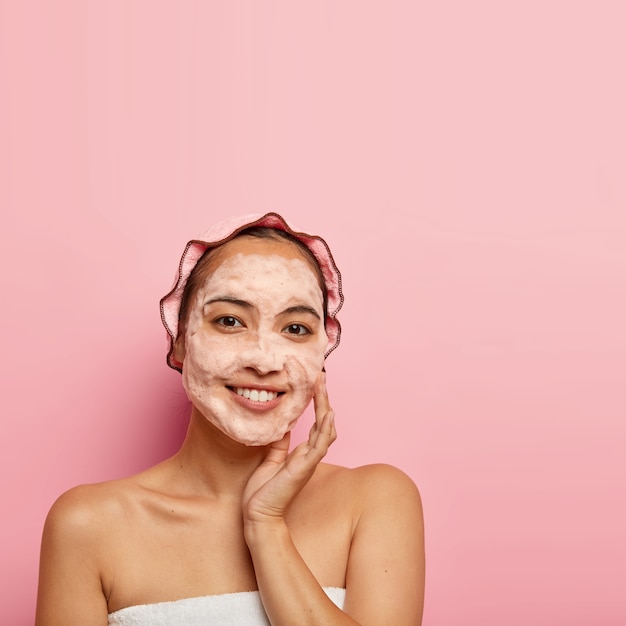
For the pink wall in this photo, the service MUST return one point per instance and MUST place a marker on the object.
(466, 161)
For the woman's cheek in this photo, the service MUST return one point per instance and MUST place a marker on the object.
(303, 370)
(313, 360)
(216, 357)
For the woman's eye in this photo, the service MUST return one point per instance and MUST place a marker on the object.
(228, 321)
(297, 329)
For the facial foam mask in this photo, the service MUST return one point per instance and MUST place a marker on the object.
(250, 364)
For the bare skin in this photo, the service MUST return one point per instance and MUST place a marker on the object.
(222, 517)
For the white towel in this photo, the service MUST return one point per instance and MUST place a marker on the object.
(230, 609)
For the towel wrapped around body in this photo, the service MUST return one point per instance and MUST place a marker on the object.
(231, 609)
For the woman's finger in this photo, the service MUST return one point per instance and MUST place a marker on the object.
(323, 437)
(278, 450)
(320, 399)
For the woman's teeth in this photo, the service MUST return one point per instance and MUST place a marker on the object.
(256, 395)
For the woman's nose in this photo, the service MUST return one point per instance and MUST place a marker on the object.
(262, 355)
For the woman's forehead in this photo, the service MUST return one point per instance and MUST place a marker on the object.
(245, 252)
(264, 246)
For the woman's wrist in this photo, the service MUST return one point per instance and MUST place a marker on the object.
(265, 531)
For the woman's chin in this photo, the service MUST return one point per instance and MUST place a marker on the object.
(260, 436)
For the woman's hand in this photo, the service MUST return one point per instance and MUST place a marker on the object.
(282, 475)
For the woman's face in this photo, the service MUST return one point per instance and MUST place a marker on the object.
(254, 342)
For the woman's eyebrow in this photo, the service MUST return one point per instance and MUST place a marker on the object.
(231, 300)
(301, 308)
(298, 308)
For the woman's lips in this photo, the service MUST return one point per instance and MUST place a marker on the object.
(257, 398)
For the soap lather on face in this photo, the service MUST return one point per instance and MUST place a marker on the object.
(257, 322)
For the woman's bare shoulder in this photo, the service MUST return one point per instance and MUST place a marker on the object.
(92, 507)
(378, 472)
(370, 484)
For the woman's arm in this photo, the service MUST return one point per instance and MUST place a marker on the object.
(386, 567)
(70, 589)
(385, 571)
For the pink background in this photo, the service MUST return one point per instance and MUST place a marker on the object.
(465, 160)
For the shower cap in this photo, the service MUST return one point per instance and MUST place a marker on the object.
(225, 231)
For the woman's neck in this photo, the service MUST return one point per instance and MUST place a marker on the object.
(211, 463)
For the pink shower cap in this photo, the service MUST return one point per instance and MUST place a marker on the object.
(225, 231)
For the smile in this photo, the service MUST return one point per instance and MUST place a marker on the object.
(256, 395)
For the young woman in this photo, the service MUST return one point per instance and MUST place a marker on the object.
(235, 528)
